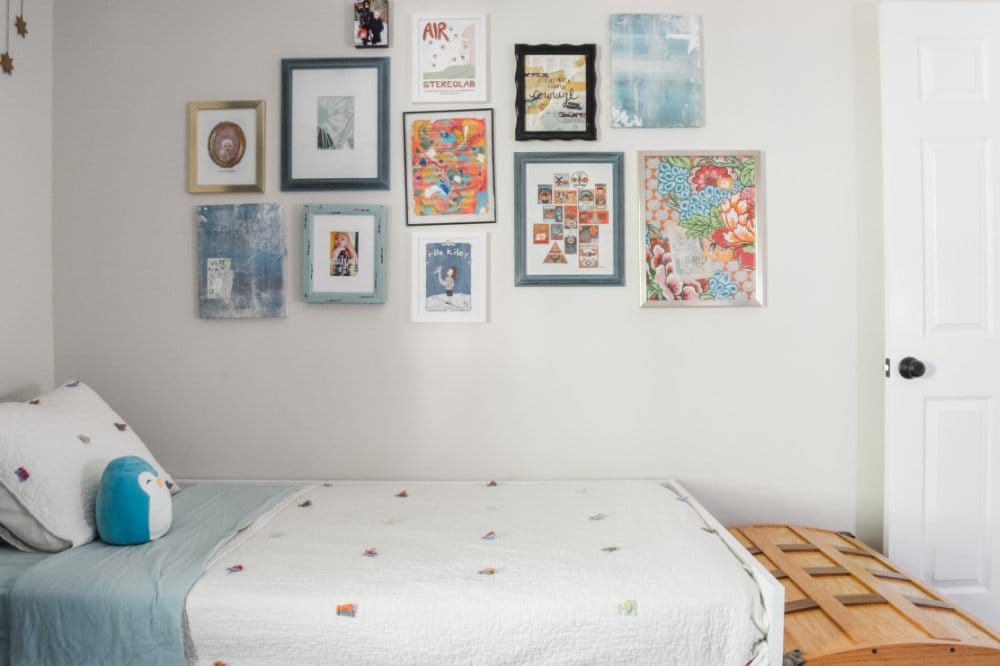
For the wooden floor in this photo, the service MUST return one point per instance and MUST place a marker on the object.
(847, 604)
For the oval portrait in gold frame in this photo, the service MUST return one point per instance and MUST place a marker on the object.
(226, 144)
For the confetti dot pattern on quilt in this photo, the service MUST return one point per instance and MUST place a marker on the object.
(464, 565)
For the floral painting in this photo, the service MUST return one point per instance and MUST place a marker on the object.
(701, 229)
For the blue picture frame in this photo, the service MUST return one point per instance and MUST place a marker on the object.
(344, 257)
(335, 124)
(558, 197)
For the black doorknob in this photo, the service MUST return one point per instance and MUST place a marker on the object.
(910, 368)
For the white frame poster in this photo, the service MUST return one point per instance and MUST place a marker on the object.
(449, 276)
(449, 58)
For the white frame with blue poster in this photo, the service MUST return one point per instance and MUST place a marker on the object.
(444, 243)
(365, 283)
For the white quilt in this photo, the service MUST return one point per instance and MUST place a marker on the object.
(462, 573)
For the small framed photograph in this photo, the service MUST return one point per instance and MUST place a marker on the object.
(241, 261)
(344, 254)
(226, 146)
(556, 96)
(701, 241)
(569, 219)
(371, 23)
(335, 124)
(449, 276)
(449, 167)
(449, 58)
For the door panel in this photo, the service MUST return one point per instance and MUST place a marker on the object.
(941, 133)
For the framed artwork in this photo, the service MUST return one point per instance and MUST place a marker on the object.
(226, 146)
(569, 219)
(449, 58)
(701, 228)
(449, 166)
(449, 276)
(662, 53)
(344, 254)
(241, 261)
(556, 96)
(371, 23)
(335, 124)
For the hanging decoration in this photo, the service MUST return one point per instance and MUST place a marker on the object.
(6, 61)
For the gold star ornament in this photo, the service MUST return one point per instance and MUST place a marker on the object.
(6, 63)
(22, 26)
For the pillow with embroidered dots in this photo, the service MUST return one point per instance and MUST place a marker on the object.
(53, 450)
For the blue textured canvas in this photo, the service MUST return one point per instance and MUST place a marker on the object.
(241, 258)
(656, 71)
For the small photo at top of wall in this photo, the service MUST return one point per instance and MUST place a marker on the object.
(371, 23)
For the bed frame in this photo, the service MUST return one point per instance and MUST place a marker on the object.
(772, 591)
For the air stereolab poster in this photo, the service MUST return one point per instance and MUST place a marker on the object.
(449, 58)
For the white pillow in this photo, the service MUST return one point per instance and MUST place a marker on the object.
(53, 451)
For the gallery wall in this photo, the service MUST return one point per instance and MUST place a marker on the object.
(26, 352)
(767, 414)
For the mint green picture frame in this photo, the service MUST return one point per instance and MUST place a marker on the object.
(330, 274)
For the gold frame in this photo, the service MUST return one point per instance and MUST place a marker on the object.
(198, 145)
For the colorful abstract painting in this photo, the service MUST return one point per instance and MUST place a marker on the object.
(449, 165)
(656, 71)
(241, 256)
(702, 228)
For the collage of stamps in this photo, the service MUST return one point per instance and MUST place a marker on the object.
(570, 215)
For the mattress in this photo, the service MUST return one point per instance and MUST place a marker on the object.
(476, 573)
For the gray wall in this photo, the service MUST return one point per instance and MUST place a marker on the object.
(26, 348)
(768, 414)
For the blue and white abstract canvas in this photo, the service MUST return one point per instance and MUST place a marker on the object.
(656, 71)
(241, 261)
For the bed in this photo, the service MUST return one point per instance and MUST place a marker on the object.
(572, 572)
(420, 573)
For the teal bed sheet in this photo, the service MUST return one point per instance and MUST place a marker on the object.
(102, 604)
(12, 564)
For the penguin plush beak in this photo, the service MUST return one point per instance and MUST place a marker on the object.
(159, 482)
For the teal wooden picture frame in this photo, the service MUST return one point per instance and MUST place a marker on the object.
(343, 249)
(569, 219)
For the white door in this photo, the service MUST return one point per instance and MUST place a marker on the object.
(941, 150)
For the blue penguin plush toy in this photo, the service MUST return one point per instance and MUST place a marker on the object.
(133, 503)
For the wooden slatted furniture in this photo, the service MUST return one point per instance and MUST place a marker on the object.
(847, 604)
